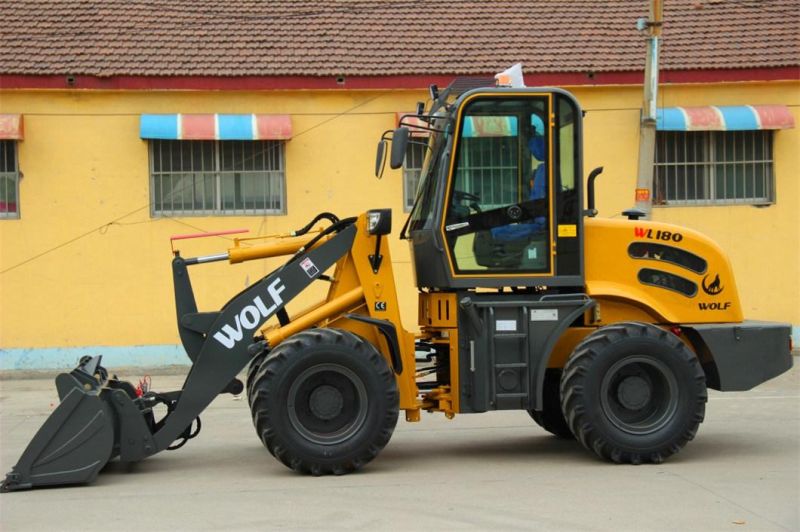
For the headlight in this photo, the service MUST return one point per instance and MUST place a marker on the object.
(379, 221)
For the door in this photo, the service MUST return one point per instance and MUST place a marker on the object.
(498, 213)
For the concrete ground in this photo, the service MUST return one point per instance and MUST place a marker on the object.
(496, 471)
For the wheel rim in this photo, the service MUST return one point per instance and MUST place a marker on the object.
(639, 394)
(327, 404)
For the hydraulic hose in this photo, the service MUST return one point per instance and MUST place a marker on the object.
(323, 215)
(335, 227)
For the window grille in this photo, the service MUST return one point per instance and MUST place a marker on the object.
(490, 170)
(412, 166)
(9, 179)
(209, 177)
(713, 167)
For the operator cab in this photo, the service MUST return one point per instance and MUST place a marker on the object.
(499, 201)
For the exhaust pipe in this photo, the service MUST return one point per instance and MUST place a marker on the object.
(591, 211)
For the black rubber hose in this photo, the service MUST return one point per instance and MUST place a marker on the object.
(333, 228)
(323, 215)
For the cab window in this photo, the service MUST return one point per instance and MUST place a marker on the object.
(497, 218)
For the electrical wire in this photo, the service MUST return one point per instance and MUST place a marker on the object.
(102, 228)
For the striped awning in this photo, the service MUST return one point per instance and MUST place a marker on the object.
(724, 118)
(215, 127)
(11, 127)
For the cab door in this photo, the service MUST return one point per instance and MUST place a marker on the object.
(498, 213)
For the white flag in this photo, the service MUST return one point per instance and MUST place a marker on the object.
(511, 77)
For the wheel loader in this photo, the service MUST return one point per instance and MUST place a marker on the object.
(608, 331)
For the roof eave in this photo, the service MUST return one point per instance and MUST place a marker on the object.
(394, 82)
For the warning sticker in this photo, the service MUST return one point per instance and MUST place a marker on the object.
(309, 267)
(567, 230)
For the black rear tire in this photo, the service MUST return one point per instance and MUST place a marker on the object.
(632, 393)
(324, 401)
(550, 418)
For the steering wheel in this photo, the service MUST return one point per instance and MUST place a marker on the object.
(460, 195)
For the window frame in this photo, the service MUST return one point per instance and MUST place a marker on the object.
(412, 174)
(15, 175)
(707, 163)
(218, 173)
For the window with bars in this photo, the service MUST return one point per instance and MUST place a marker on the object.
(490, 170)
(9, 179)
(412, 166)
(713, 167)
(217, 177)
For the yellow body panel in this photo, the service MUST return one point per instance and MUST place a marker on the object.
(438, 309)
(438, 318)
(612, 274)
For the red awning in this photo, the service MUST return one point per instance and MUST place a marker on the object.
(11, 127)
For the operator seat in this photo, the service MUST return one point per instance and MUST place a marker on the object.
(518, 245)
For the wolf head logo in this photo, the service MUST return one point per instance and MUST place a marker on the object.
(714, 287)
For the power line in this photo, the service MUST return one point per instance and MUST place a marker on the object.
(71, 240)
(116, 221)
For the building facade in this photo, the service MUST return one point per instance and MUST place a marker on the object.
(101, 167)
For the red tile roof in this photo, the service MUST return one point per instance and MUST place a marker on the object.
(385, 37)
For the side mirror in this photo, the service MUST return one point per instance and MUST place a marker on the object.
(380, 158)
(399, 146)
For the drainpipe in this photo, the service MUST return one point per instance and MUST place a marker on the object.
(647, 126)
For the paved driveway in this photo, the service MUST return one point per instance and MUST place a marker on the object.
(496, 471)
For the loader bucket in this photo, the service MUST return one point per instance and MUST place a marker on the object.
(72, 445)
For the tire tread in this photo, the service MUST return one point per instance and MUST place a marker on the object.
(265, 380)
(573, 400)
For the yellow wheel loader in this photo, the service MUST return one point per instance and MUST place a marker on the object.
(605, 330)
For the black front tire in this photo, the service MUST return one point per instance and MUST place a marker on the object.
(324, 401)
(252, 369)
(632, 393)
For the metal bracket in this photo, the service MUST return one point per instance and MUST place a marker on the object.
(389, 332)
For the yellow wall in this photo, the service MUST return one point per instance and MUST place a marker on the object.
(86, 265)
(85, 166)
